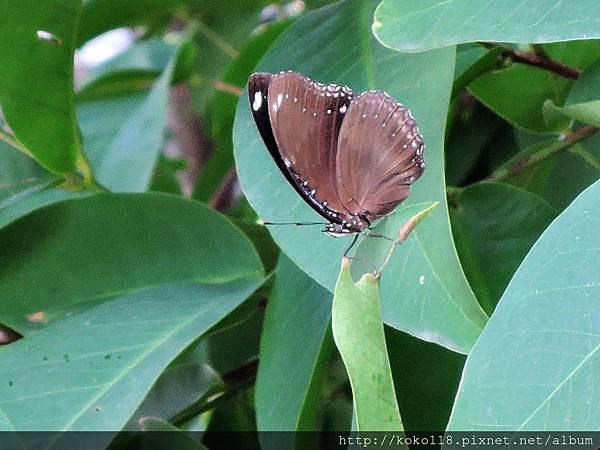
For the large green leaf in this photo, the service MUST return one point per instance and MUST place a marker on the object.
(495, 225)
(87, 250)
(295, 338)
(95, 368)
(358, 333)
(123, 135)
(35, 196)
(583, 102)
(412, 26)
(532, 86)
(36, 91)
(317, 45)
(535, 366)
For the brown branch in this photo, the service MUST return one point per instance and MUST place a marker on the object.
(520, 161)
(227, 87)
(537, 59)
(222, 198)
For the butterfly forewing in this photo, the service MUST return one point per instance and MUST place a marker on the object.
(306, 118)
(379, 154)
(258, 93)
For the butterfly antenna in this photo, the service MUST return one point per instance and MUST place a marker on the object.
(292, 223)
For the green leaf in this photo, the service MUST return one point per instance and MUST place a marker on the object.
(295, 340)
(36, 196)
(25, 186)
(583, 102)
(178, 387)
(96, 367)
(164, 178)
(235, 345)
(400, 24)
(99, 16)
(472, 60)
(123, 136)
(36, 93)
(578, 54)
(318, 46)
(262, 240)
(132, 70)
(532, 86)
(429, 370)
(414, 281)
(87, 250)
(495, 225)
(535, 365)
(358, 333)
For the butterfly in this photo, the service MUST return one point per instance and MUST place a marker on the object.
(351, 157)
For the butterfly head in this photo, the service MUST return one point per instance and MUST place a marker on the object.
(355, 223)
(337, 230)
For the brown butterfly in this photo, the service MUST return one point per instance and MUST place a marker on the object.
(351, 157)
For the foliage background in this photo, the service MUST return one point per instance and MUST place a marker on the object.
(138, 292)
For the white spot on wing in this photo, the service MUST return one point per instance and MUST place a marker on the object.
(343, 109)
(256, 104)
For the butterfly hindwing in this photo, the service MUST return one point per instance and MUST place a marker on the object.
(380, 154)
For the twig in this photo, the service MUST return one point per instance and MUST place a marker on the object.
(222, 197)
(221, 86)
(217, 40)
(538, 58)
(240, 378)
(520, 162)
(227, 87)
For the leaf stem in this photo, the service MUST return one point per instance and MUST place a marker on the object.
(237, 381)
(520, 161)
(538, 58)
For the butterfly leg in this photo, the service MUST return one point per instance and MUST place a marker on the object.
(375, 235)
(351, 244)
